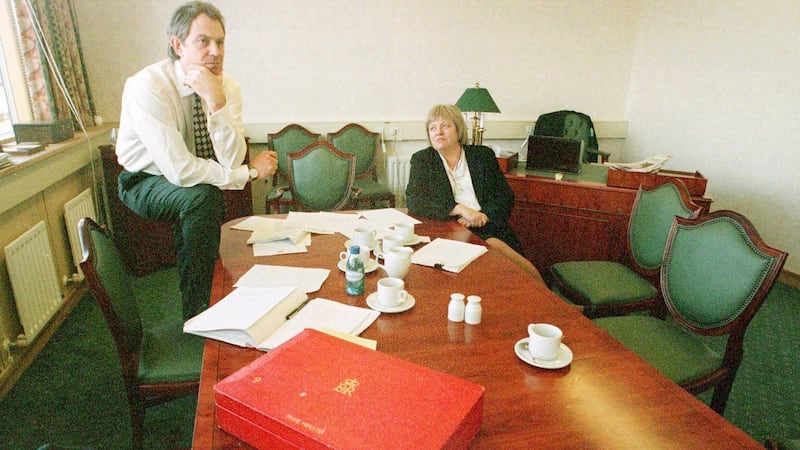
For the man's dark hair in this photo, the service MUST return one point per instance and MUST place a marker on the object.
(182, 21)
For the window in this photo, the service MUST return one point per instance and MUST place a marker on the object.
(14, 106)
(7, 114)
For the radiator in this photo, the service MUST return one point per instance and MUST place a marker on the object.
(32, 272)
(76, 209)
(397, 178)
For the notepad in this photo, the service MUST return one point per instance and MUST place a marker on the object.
(265, 318)
(447, 254)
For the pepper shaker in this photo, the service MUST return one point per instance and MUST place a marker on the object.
(473, 310)
(455, 310)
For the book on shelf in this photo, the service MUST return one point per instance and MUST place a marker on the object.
(265, 318)
(319, 392)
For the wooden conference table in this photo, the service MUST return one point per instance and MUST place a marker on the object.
(606, 398)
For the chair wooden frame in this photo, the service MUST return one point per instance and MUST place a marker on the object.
(716, 273)
(366, 167)
(140, 395)
(722, 379)
(350, 193)
(280, 180)
(650, 273)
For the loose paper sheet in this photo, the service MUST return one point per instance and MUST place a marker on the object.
(306, 279)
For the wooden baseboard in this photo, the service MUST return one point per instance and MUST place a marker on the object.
(790, 279)
(23, 357)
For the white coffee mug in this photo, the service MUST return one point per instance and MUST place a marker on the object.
(391, 291)
(544, 340)
(406, 230)
(364, 254)
(364, 237)
(397, 261)
(390, 241)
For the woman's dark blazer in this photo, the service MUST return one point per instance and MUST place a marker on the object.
(429, 194)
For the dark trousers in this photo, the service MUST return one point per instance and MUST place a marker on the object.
(196, 214)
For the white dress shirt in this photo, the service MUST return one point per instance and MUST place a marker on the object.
(461, 183)
(156, 134)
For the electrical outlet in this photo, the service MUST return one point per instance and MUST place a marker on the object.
(529, 130)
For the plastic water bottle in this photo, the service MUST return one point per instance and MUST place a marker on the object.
(354, 272)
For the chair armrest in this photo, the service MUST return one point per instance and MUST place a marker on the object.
(601, 156)
(276, 193)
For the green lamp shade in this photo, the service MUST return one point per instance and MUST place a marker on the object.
(477, 99)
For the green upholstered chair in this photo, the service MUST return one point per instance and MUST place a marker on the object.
(607, 288)
(715, 275)
(158, 361)
(572, 125)
(321, 177)
(357, 140)
(290, 139)
(786, 444)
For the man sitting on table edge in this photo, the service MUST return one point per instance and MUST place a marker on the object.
(175, 166)
(453, 180)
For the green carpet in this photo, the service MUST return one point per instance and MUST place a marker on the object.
(72, 394)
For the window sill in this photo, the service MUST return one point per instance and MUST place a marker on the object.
(21, 162)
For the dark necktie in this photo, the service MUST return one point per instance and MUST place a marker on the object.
(202, 141)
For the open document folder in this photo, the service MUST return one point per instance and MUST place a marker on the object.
(447, 254)
(267, 317)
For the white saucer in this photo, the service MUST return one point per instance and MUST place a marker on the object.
(372, 302)
(369, 267)
(349, 242)
(414, 240)
(562, 360)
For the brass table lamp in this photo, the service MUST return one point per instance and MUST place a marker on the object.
(477, 100)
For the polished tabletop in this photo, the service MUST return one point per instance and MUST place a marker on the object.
(606, 398)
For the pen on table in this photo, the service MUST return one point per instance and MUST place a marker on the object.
(296, 310)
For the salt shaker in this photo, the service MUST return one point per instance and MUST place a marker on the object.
(473, 310)
(455, 310)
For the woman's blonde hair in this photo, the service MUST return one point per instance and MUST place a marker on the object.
(450, 112)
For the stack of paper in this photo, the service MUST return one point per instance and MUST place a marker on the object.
(648, 165)
(452, 256)
(274, 236)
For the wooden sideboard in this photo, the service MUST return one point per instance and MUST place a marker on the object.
(576, 218)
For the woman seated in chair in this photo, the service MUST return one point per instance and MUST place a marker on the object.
(452, 180)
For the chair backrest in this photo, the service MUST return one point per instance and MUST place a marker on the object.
(111, 285)
(290, 139)
(651, 218)
(321, 177)
(571, 125)
(357, 140)
(717, 272)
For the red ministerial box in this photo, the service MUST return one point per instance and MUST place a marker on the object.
(317, 391)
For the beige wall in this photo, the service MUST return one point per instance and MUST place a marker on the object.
(716, 86)
(711, 82)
